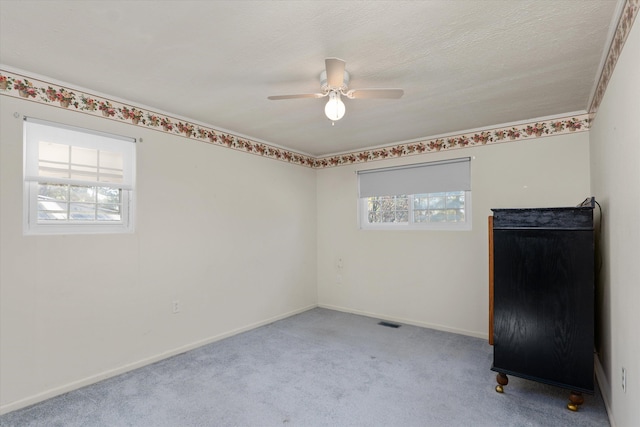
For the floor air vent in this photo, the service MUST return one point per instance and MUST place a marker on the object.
(389, 325)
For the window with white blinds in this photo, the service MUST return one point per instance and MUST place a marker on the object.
(435, 195)
(77, 180)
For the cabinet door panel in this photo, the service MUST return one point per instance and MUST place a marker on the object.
(543, 305)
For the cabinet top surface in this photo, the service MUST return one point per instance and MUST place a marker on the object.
(573, 218)
(561, 209)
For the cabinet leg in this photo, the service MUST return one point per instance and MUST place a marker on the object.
(575, 400)
(502, 381)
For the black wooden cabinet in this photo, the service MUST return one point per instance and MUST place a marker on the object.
(543, 297)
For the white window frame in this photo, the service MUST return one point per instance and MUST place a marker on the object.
(364, 224)
(34, 131)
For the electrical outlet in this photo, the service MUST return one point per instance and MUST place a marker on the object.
(176, 306)
(624, 380)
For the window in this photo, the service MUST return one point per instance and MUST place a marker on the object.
(76, 180)
(432, 195)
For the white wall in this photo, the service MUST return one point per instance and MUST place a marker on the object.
(242, 240)
(439, 278)
(230, 235)
(615, 181)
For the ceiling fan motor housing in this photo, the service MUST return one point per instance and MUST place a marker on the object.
(326, 88)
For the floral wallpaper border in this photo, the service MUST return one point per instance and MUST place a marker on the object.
(12, 84)
(628, 16)
(16, 85)
(497, 135)
(19, 86)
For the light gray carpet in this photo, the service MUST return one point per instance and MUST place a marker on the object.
(319, 368)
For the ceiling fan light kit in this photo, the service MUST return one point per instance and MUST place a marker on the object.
(335, 108)
(334, 82)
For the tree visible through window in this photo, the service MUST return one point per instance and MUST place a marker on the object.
(388, 209)
(417, 208)
(63, 202)
(389, 200)
(439, 207)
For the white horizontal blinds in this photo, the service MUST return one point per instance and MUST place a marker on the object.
(65, 155)
(433, 177)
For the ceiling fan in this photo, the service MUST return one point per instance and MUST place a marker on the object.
(334, 83)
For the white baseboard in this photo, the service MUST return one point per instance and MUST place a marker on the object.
(407, 321)
(39, 397)
(603, 383)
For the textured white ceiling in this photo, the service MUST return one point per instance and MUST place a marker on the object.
(464, 64)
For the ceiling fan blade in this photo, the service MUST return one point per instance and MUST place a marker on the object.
(300, 95)
(335, 72)
(375, 93)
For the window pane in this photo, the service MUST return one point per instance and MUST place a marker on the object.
(108, 213)
(82, 211)
(455, 215)
(53, 159)
(421, 215)
(386, 202)
(455, 200)
(111, 160)
(109, 195)
(52, 152)
(111, 167)
(84, 163)
(388, 216)
(51, 210)
(82, 194)
(437, 201)
(421, 201)
(53, 191)
(84, 156)
(438, 216)
(402, 202)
